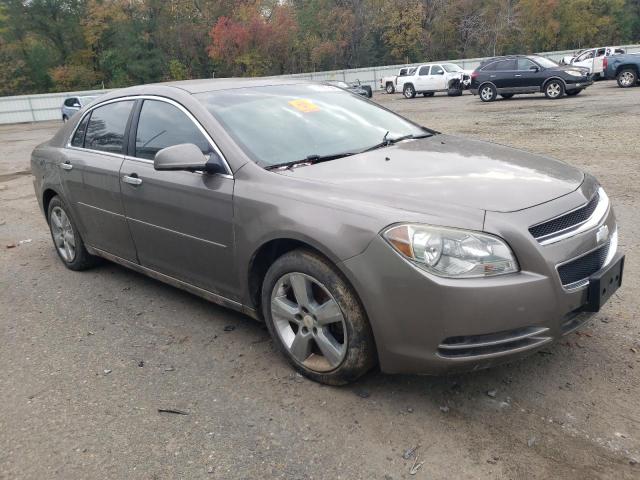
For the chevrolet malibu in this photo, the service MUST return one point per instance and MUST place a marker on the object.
(359, 237)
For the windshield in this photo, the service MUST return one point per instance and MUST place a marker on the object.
(288, 123)
(451, 67)
(544, 62)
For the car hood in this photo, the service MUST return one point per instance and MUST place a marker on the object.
(570, 68)
(443, 170)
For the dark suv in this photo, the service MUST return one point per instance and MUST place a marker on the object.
(507, 76)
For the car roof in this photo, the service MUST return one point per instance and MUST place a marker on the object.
(216, 84)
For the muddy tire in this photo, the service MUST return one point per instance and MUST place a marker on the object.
(66, 238)
(408, 91)
(316, 319)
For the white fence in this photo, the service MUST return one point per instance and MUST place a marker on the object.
(35, 108)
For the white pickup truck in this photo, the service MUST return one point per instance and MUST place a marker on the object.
(436, 77)
(394, 83)
(592, 58)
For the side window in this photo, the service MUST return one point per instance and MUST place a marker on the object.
(585, 56)
(437, 70)
(69, 102)
(107, 126)
(78, 137)
(602, 51)
(424, 71)
(162, 125)
(506, 65)
(403, 72)
(490, 68)
(525, 64)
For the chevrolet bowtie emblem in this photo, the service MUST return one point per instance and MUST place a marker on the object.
(602, 234)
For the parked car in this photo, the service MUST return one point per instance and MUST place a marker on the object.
(624, 68)
(518, 74)
(395, 83)
(353, 88)
(72, 105)
(592, 58)
(358, 236)
(436, 77)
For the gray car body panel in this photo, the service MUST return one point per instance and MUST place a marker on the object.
(202, 231)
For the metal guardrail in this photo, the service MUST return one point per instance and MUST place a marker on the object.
(36, 108)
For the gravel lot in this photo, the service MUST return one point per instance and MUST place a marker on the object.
(89, 358)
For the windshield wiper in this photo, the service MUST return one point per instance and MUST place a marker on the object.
(390, 141)
(309, 160)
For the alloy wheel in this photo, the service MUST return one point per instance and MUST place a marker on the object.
(553, 90)
(389, 88)
(408, 92)
(63, 235)
(309, 322)
(627, 79)
(486, 93)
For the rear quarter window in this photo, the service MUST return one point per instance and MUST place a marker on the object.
(78, 136)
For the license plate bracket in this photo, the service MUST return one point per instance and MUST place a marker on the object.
(604, 283)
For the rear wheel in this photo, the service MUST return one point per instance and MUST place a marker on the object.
(454, 91)
(408, 91)
(627, 78)
(390, 89)
(316, 319)
(506, 96)
(66, 239)
(554, 89)
(488, 93)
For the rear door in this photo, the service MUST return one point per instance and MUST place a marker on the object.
(181, 222)
(504, 75)
(90, 173)
(422, 78)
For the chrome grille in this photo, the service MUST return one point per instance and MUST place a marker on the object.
(565, 222)
(579, 270)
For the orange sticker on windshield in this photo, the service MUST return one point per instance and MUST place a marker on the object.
(305, 106)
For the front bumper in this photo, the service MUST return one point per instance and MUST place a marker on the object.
(579, 85)
(432, 325)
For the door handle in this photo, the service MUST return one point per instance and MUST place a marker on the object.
(132, 179)
(66, 166)
(518, 75)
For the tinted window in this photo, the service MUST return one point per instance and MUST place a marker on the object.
(78, 137)
(403, 72)
(505, 65)
(424, 70)
(491, 67)
(106, 127)
(437, 70)
(525, 64)
(69, 102)
(162, 125)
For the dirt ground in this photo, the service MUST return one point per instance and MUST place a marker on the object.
(89, 358)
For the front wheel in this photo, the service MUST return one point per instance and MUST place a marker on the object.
(66, 239)
(316, 320)
(488, 93)
(627, 78)
(409, 91)
(554, 89)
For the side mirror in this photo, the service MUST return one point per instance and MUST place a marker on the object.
(188, 157)
(534, 69)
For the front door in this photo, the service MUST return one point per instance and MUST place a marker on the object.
(529, 76)
(437, 79)
(181, 222)
(89, 171)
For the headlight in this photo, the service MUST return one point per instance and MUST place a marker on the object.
(573, 73)
(450, 252)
